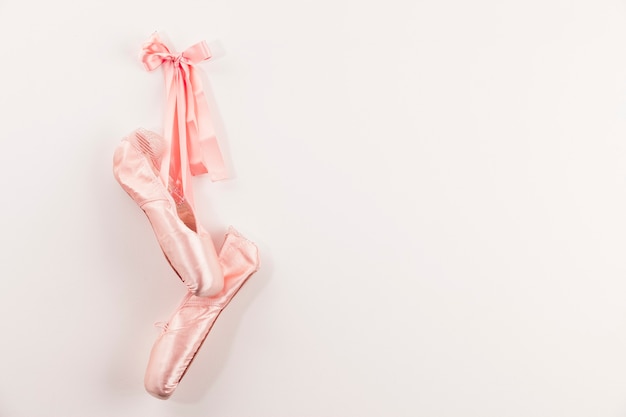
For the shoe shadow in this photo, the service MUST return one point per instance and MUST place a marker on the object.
(141, 286)
(154, 287)
(215, 352)
(125, 234)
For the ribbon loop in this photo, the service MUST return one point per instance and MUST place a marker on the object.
(197, 53)
(194, 149)
(153, 53)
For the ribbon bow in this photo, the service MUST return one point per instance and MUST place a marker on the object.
(188, 127)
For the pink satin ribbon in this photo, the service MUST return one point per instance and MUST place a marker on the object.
(188, 127)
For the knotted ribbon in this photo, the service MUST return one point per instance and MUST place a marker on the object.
(188, 127)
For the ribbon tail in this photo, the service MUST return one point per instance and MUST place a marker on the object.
(168, 125)
(196, 163)
(209, 152)
(183, 173)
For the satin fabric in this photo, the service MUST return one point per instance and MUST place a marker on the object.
(160, 183)
(188, 128)
(191, 254)
(188, 327)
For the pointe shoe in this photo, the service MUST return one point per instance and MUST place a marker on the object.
(189, 251)
(185, 332)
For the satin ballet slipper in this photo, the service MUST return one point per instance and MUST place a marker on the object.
(189, 325)
(189, 251)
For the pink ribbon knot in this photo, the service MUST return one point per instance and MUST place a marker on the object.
(188, 128)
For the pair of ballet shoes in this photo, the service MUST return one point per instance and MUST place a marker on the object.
(212, 281)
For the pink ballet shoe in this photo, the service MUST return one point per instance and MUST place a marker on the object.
(182, 337)
(188, 249)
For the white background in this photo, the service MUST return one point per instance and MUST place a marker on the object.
(437, 189)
